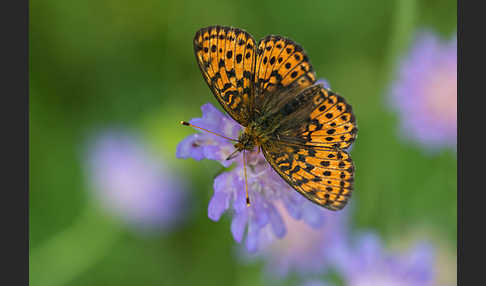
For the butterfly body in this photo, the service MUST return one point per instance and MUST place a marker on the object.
(251, 137)
(270, 88)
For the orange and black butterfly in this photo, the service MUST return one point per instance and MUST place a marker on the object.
(270, 88)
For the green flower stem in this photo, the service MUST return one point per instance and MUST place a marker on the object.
(69, 253)
(401, 30)
(400, 35)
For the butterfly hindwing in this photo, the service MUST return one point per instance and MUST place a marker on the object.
(324, 176)
(313, 129)
(226, 58)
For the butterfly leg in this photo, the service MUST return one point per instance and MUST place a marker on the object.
(232, 155)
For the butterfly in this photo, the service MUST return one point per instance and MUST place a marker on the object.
(303, 129)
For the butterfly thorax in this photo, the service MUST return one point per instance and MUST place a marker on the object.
(251, 137)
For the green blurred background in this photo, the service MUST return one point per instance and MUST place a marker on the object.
(98, 64)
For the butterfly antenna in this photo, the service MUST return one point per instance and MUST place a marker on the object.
(246, 179)
(194, 126)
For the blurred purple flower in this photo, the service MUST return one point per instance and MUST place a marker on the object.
(266, 188)
(425, 92)
(324, 83)
(366, 263)
(315, 283)
(132, 185)
(305, 249)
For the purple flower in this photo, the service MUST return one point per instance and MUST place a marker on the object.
(267, 190)
(314, 283)
(132, 184)
(206, 145)
(305, 249)
(366, 263)
(324, 83)
(425, 92)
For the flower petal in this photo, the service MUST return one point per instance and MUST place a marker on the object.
(211, 118)
(238, 225)
(324, 83)
(252, 238)
(276, 222)
(219, 153)
(370, 249)
(190, 147)
(222, 195)
(218, 204)
(420, 262)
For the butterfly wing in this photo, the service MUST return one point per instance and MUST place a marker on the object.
(281, 64)
(315, 117)
(308, 146)
(324, 176)
(226, 57)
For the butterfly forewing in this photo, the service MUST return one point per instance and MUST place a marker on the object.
(281, 63)
(226, 58)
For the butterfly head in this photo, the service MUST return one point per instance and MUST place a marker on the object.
(246, 141)
(250, 138)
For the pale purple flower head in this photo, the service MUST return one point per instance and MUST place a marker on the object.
(324, 83)
(425, 92)
(305, 250)
(267, 190)
(367, 264)
(206, 145)
(132, 184)
(314, 282)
